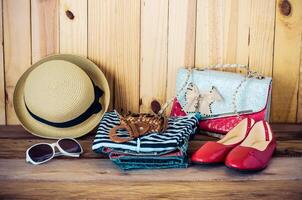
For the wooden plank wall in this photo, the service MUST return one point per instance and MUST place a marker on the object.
(17, 48)
(140, 44)
(2, 84)
(287, 63)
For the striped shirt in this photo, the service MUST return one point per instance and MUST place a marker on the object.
(176, 137)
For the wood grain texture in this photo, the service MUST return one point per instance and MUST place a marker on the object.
(287, 63)
(154, 52)
(222, 32)
(236, 24)
(140, 44)
(12, 148)
(209, 32)
(299, 107)
(287, 148)
(44, 28)
(282, 132)
(114, 44)
(73, 32)
(2, 80)
(17, 131)
(266, 190)
(181, 40)
(17, 48)
(105, 170)
(94, 178)
(14, 140)
(262, 36)
(15, 148)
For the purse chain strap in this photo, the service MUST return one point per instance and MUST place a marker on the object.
(249, 74)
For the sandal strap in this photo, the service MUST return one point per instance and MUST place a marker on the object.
(266, 131)
(137, 125)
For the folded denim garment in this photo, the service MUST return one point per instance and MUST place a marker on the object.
(152, 151)
(163, 165)
(176, 137)
(128, 162)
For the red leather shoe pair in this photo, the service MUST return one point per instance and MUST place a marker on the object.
(248, 146)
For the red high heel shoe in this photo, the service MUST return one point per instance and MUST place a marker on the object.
(216, 152)
(255, 152)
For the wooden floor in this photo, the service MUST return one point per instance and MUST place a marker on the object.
(94, 177)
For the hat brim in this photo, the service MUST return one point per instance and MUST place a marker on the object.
(43, 130)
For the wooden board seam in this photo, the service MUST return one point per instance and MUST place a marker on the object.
(3, 66)
(299, 93)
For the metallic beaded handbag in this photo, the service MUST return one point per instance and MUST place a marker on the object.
(222, 98)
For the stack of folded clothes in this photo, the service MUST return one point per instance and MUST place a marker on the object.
(156, 150)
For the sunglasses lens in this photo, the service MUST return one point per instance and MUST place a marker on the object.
(70, 146)
(40, 153)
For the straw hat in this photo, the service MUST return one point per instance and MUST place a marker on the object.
(61, 96)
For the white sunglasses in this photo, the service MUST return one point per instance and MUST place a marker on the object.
(43, 152)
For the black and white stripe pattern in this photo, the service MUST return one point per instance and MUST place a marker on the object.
(175, 137)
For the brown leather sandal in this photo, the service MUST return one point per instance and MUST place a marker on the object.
(138, 125)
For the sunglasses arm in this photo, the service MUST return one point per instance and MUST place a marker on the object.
(66, 154)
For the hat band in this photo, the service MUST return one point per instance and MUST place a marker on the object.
(94, 108)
